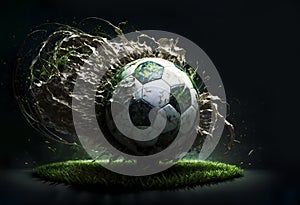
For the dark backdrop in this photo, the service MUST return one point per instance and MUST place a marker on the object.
(254, 45)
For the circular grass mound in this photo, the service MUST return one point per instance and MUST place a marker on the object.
(182, 174)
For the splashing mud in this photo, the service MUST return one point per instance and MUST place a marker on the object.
(45, 76)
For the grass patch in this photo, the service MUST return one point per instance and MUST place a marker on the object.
(184, 174)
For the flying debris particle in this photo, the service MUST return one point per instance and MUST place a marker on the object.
(241, 163)
(237, 141)
(249, 163)
(51, 148)
(251, 151)
(47, 142)
(26, 163)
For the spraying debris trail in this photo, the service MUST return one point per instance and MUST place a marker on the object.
(46, 75)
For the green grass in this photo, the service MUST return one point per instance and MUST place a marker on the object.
(184, 174)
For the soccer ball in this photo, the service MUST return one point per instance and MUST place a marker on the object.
(153, 102)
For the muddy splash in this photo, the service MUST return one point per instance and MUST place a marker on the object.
(47, 71)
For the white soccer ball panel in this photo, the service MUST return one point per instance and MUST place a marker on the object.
(156, 93)
(172, 76)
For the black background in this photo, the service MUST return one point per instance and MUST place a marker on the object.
(254, 45)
